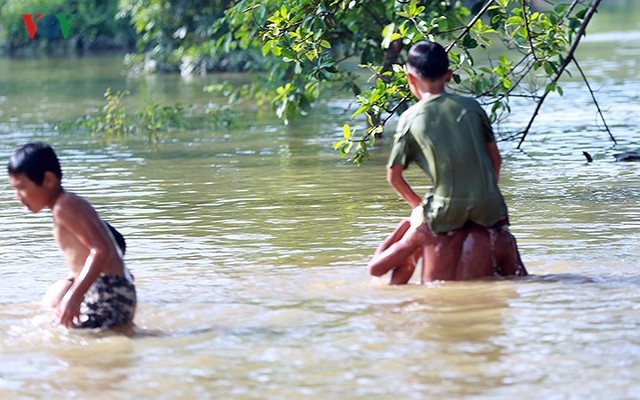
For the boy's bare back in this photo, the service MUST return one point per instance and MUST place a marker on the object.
(471, 252)
(79, 231)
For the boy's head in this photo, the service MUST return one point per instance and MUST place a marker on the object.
(35, 174)
(428, 60)
(34, 160)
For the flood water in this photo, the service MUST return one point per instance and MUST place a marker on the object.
(249, 248)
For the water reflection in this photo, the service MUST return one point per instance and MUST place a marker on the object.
(442, 326)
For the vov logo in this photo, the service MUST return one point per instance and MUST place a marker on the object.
(48, 26)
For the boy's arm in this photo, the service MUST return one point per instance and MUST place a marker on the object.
(396, 179)
(496, 159)
(87, 230)
(396, 255)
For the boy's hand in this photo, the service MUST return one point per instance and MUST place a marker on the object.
(417, 217)
(68, 310)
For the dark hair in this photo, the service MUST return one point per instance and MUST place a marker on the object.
(428, 59)
(33, 160)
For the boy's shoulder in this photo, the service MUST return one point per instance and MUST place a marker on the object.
(70, 203)
(412, 110)
(457, 98)
(406, 118)
(464, 101)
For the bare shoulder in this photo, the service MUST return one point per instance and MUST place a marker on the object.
(70, 205)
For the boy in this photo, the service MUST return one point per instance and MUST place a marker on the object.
(471, 252)
(100, 293)
(451, 140)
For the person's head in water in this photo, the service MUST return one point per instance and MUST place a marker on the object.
(35, 174)
(427, 69)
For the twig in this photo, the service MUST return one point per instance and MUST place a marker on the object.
(470, 24)
(593, 96)
(526, 24)
(396, 107)
(570, 8)
(382, 123)
(592, 10)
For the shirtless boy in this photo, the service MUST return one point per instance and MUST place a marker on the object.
(471, 252)
(460, 228)
(100, 293)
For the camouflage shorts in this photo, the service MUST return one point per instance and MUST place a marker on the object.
(109, 302)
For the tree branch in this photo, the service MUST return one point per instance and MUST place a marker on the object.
(584, 77)
(570, 54)
(470, 24)
(526, 24)
(570, 8)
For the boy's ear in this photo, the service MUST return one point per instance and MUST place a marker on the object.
(411, 78)
(50, 180)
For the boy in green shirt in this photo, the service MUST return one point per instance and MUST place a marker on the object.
(460, 228)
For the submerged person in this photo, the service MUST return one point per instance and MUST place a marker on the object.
(100, 292)
(461, 225)
(470, 252)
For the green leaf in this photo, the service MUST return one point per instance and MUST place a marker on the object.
(266, 48)
(339, 144)
(515, 20)
(346, 131)
(387, 32)
(547, 68)
(360, 110)
(284, 52)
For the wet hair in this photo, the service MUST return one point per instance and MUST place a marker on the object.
(428, 59)
(34, 159)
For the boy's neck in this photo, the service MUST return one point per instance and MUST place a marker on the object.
(431, 93)
(427, 88)
(55, 196)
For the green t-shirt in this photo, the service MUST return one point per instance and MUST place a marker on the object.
(447, 137)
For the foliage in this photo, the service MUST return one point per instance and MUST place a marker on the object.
(498, 49)
(304, 43)
(175, 35)
(311, 43)
(115, 121)
(99, 19)
(308, 45)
